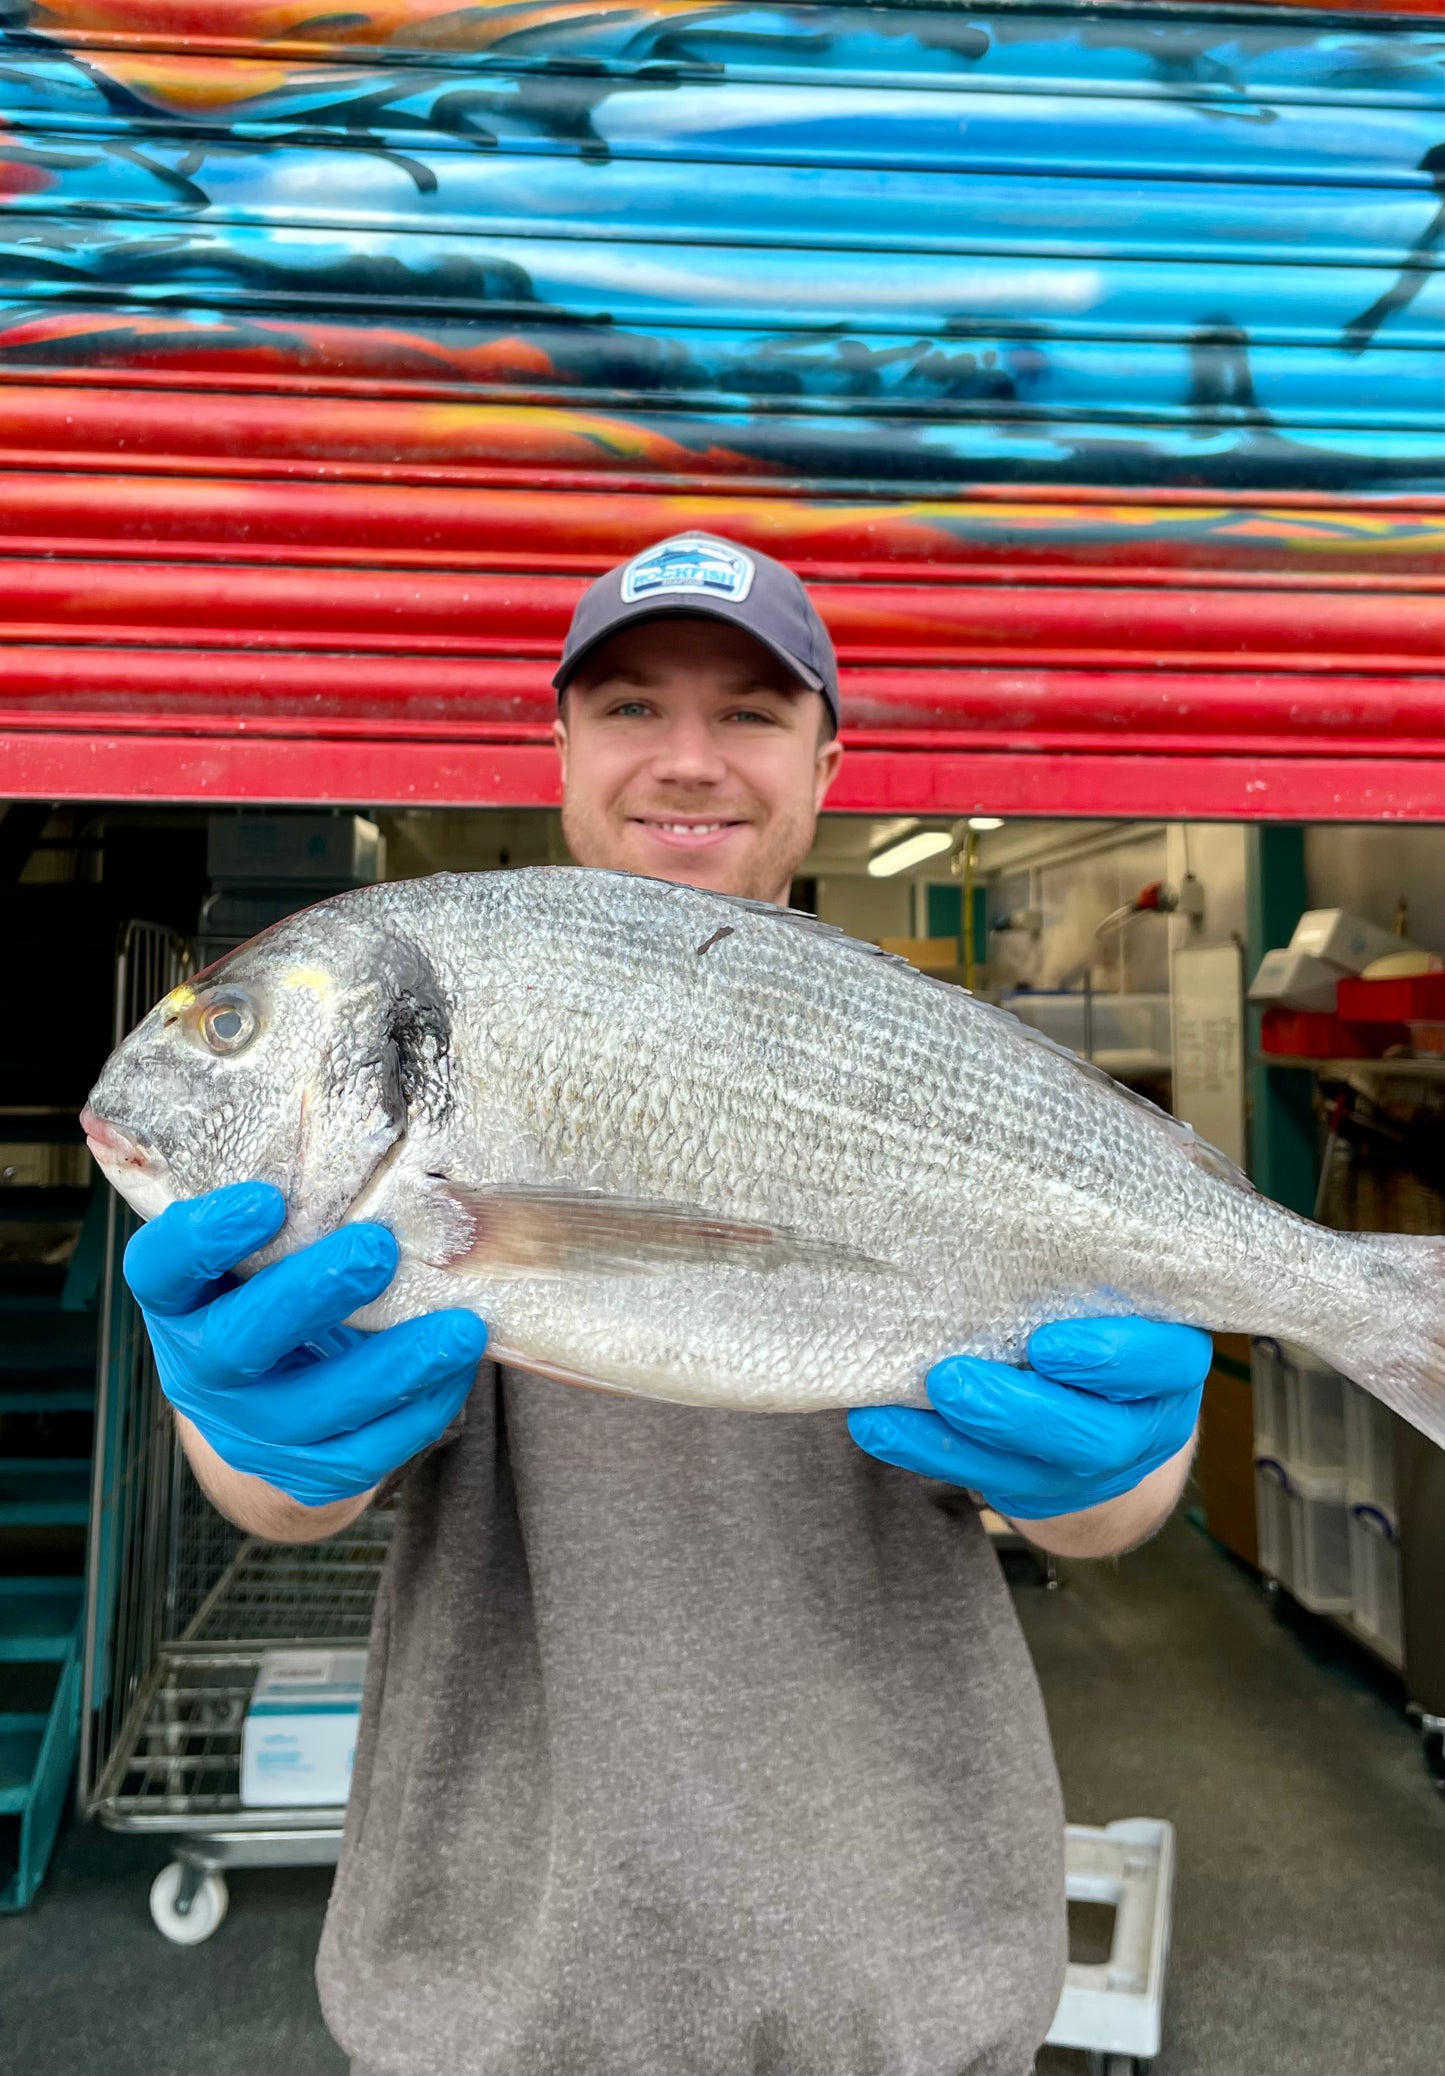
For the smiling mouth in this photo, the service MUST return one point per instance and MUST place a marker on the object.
(682, 827)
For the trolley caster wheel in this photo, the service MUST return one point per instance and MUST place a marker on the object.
(188, 1903)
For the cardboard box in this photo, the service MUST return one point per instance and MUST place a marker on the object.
(1295, 980)
(299, 1738)
(1342, 939)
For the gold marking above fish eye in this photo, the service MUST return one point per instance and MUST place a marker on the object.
(309, 977)
(178, 1001)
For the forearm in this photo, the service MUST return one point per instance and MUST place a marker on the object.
(259, 1508)
(1115, 1525)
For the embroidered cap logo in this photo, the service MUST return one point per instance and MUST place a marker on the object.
(692, 565)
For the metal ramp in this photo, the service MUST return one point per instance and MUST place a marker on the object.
(1114, 2009)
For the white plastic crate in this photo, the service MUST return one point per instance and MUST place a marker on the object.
(1369, 1452)
(1304, 1534)
(1375, 1580)
(1116, 2007)
(1271, 1419)
(1271, 1505)
(1315, 1413)
(1320, 1544)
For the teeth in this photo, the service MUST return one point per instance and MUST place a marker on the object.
(692, 828)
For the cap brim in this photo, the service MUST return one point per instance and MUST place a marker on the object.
(656, 610)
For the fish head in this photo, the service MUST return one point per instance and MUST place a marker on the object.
(296, 1060)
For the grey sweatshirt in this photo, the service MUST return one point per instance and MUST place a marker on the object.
(694, 1744)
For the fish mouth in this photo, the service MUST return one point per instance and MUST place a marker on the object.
(112, 1147)
(130, 1163)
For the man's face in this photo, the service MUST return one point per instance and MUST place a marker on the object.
(689, 753)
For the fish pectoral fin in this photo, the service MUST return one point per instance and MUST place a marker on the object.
(541, 1232)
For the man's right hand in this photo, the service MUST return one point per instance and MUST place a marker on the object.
(267, 1372)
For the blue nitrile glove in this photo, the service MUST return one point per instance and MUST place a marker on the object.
(265, 1369)
(1104, 1402)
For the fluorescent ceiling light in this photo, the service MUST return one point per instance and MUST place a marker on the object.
(911, 851)
(983, 823)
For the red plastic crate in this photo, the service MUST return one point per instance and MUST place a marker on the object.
(1313, 1034)
(1419, 999)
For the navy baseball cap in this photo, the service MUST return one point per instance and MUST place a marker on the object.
(702, 575)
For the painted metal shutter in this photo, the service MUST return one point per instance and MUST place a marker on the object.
(1086, 362)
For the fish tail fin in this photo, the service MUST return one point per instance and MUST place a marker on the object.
(1399, 1357)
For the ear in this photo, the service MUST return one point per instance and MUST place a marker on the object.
(825, 770)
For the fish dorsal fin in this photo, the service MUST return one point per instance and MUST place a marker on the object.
(1209, 1158)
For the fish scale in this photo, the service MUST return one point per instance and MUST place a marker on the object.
(682, 1145)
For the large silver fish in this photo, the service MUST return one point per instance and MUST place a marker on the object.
(697, 1148)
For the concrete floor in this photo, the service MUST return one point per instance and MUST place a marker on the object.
(1309, 1916)
(1309, 1927)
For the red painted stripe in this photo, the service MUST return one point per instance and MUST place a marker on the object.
(227, 374)
(475, 443)
(53, 684)
(872, 623)
(187, 768)
(283, 435)
(229, 377)
(283, 732)
(159, 26)
(993, 573)
(587, 531)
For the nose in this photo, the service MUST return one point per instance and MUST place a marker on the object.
(106, 1140)
(688, 753)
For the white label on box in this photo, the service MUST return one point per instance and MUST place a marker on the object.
(298, 1744)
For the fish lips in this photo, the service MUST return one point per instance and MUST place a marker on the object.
(129, 1162)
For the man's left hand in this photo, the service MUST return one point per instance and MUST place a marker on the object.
(1102, 1404)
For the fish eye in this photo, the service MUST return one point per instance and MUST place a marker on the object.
(228, 1023)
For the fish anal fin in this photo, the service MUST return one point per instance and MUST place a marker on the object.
(553, 1372)
(558, 1232)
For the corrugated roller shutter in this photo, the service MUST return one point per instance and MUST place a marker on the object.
(1086, 363)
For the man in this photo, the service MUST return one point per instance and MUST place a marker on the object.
(694, 1744)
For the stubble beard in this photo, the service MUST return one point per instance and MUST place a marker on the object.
(764, 872)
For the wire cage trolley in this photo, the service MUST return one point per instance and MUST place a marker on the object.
(180, 1605)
